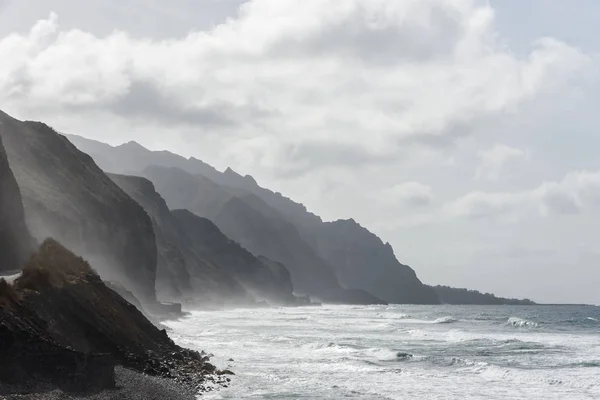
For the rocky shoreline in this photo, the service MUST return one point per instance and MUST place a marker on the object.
(65, 334)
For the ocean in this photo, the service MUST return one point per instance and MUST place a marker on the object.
(401, 352)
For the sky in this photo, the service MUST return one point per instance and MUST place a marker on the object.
(463, 132)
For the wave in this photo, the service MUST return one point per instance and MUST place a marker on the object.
(522, 323)
(592, 319)
(445, 320)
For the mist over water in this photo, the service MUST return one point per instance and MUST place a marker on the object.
(401, 352)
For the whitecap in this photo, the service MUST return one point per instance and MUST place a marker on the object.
(445, 320)
(522, 323)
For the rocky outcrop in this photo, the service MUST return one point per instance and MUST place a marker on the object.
(68, 197)
(61, 325)
(361, 260)
(15, 242)
(266, 282)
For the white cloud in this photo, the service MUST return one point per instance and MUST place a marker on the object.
(358, 78)
(411, 194)
(577, 192)
(495, 161)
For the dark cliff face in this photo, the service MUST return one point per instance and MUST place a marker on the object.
(15, 241)
(67, 197)
(362, 260)
(264, 282)
(172, 276)
(186, 269)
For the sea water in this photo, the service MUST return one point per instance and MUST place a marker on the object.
(401, 352)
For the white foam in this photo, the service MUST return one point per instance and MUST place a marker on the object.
(519, 322)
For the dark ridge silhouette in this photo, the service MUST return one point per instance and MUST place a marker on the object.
(450, 295)
(15, 241)
(68, 197)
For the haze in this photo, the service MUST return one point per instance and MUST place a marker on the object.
(464, 132)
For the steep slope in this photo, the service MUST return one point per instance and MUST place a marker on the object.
(256, 227)
(67, 197)
(15, 241)
(183, 190)
(362, 260)
(172, 276)
(265, 282)
(190, 261)
(280, 241)
(350, 260)
(131, 158)
(62, 325)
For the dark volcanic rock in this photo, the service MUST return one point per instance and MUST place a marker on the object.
(15, 242)
(264, 281)
(60, 324)
(68, 197)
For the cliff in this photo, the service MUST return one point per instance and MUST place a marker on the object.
(15, 241)
(172, 276)
(265, 282)
(257, 228)
(186, 270)
(361, 260)
(370, 266)
(61, 325)
(68, 197)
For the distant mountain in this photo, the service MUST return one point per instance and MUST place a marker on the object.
(361, 260)
(266, 281)
(130, 158)
(15, 241)
(66, 196)
(208, 190)
(249, 221)
(449, 295)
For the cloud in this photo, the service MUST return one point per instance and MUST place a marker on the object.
(494, 161)
(369, 76)
(577, 192)
(413, 194)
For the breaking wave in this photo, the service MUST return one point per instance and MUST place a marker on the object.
(522, 323)
(445, 320)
